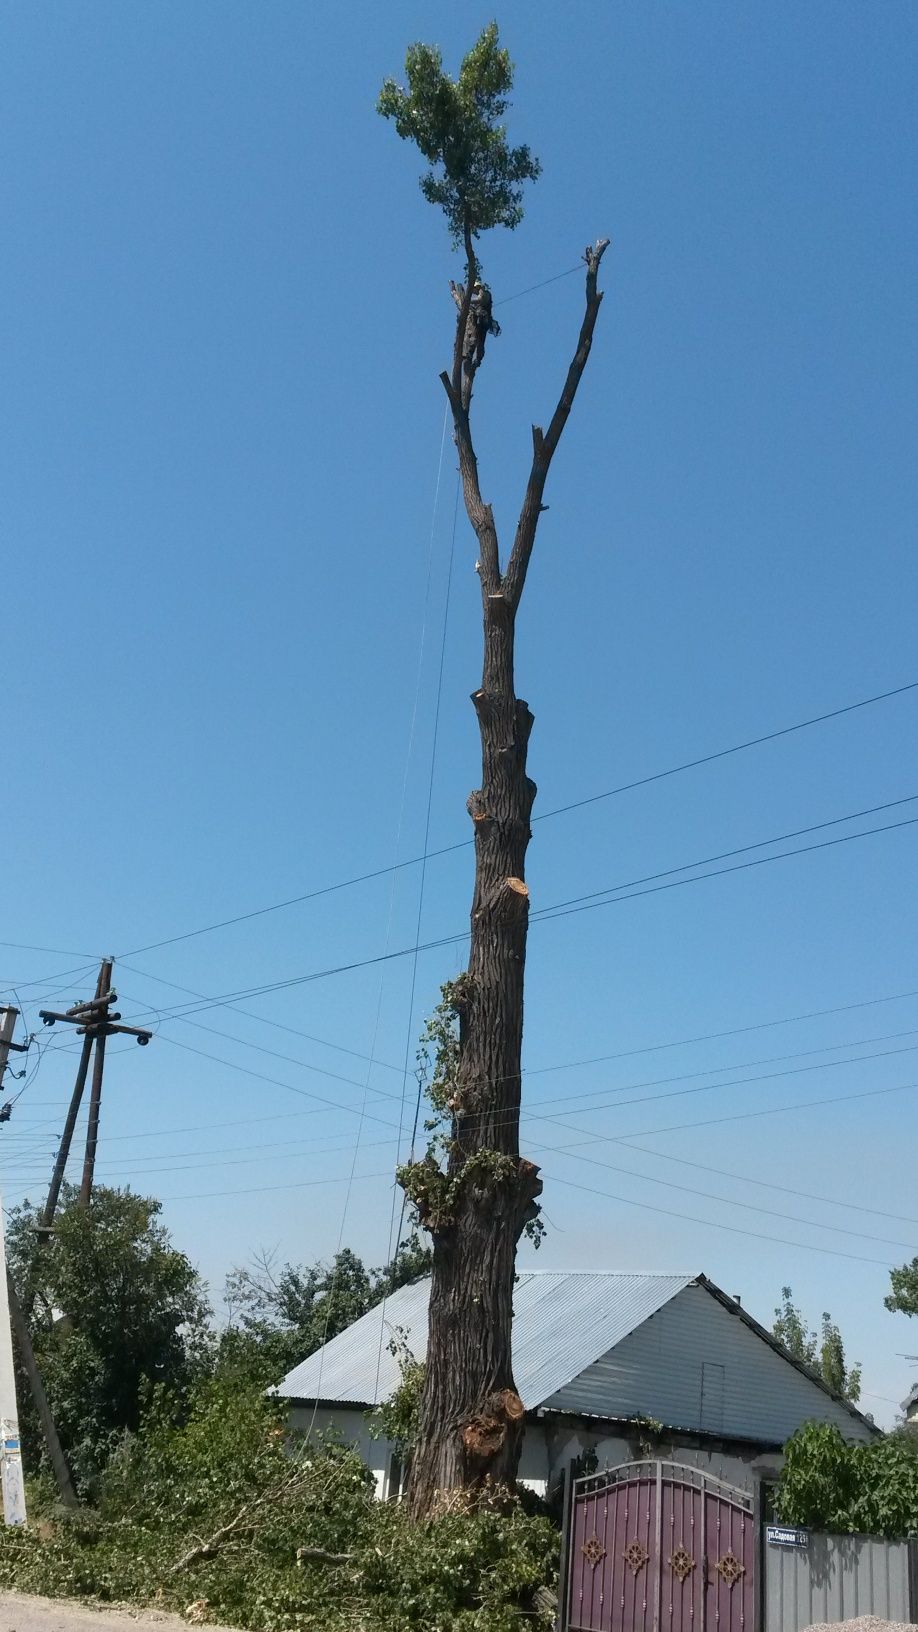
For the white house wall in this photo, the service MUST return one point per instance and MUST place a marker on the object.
(697, 1366)
(739, 1467)
(349, 1425)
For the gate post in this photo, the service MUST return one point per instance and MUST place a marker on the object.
(658, 1547)
(758, 1552)
(912, 1545)
(564, 1585)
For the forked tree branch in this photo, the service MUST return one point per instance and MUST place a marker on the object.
(508, 589)
(545, 443)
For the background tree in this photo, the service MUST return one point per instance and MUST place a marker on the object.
(114, 1309)
(477, 1196)
(825, 1352)
(279, 1316)
(903, 1299)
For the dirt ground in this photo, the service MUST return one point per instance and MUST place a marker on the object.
(20, 1612)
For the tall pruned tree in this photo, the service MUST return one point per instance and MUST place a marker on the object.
(476, 1194)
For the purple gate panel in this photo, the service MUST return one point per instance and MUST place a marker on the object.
(612, 1544)
(681, 1560)
(656, 1547)
(729, 1565)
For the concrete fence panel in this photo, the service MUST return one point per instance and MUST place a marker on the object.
(835, 1578)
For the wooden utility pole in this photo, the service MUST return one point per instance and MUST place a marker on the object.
(95, 1020)
(8, 1018)
(14, 1507)
(13, 1321)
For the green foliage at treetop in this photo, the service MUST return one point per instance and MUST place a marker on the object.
(903, 1299)
(829, 1484)
(222, 1512)
(475, 176)
(824, 1352)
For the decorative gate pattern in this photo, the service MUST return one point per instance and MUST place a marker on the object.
(658, 1547)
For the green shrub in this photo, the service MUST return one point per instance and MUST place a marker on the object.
(217, 1510)
(830, 1484)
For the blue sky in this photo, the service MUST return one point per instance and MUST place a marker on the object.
(225, 307)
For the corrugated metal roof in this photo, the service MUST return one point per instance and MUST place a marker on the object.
(561, 1324)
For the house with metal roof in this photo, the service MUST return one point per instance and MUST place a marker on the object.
(604, 1365)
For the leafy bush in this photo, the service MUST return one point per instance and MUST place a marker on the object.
(829, 1484)
(223, 1511)
(134, 1315)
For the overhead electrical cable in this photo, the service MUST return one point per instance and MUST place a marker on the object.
(733, 1229)
(563, 1065)
(681, 1127)
(227, 998)
(392, 890)
(769, 1184)
(649, 1048)
(726, 1201)
(544, 816)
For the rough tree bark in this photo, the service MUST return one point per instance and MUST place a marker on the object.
(471, 1414)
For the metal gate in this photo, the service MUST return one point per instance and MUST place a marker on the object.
(658, 1547)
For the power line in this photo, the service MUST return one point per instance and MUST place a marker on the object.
(542, 1070)
(262, 1020)
(773, 1110)
(326, 1103)
(649, 1048)
(647, 1132)
(725, 753)
(587, 904)
(227, 998)
(146, 1169)
(734, 1031)
(560, 810)
(392, 891)
(717, 1070)
(146, 1172)
(393, 1249)
(563, 1102)
(733, 1229)
(723, 855)
(306, 1093)
(726, 1201)
(765, 1184)
(265, 1189)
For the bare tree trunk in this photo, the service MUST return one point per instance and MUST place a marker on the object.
(471, 1415)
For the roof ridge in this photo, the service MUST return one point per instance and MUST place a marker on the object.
(610, 1274)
